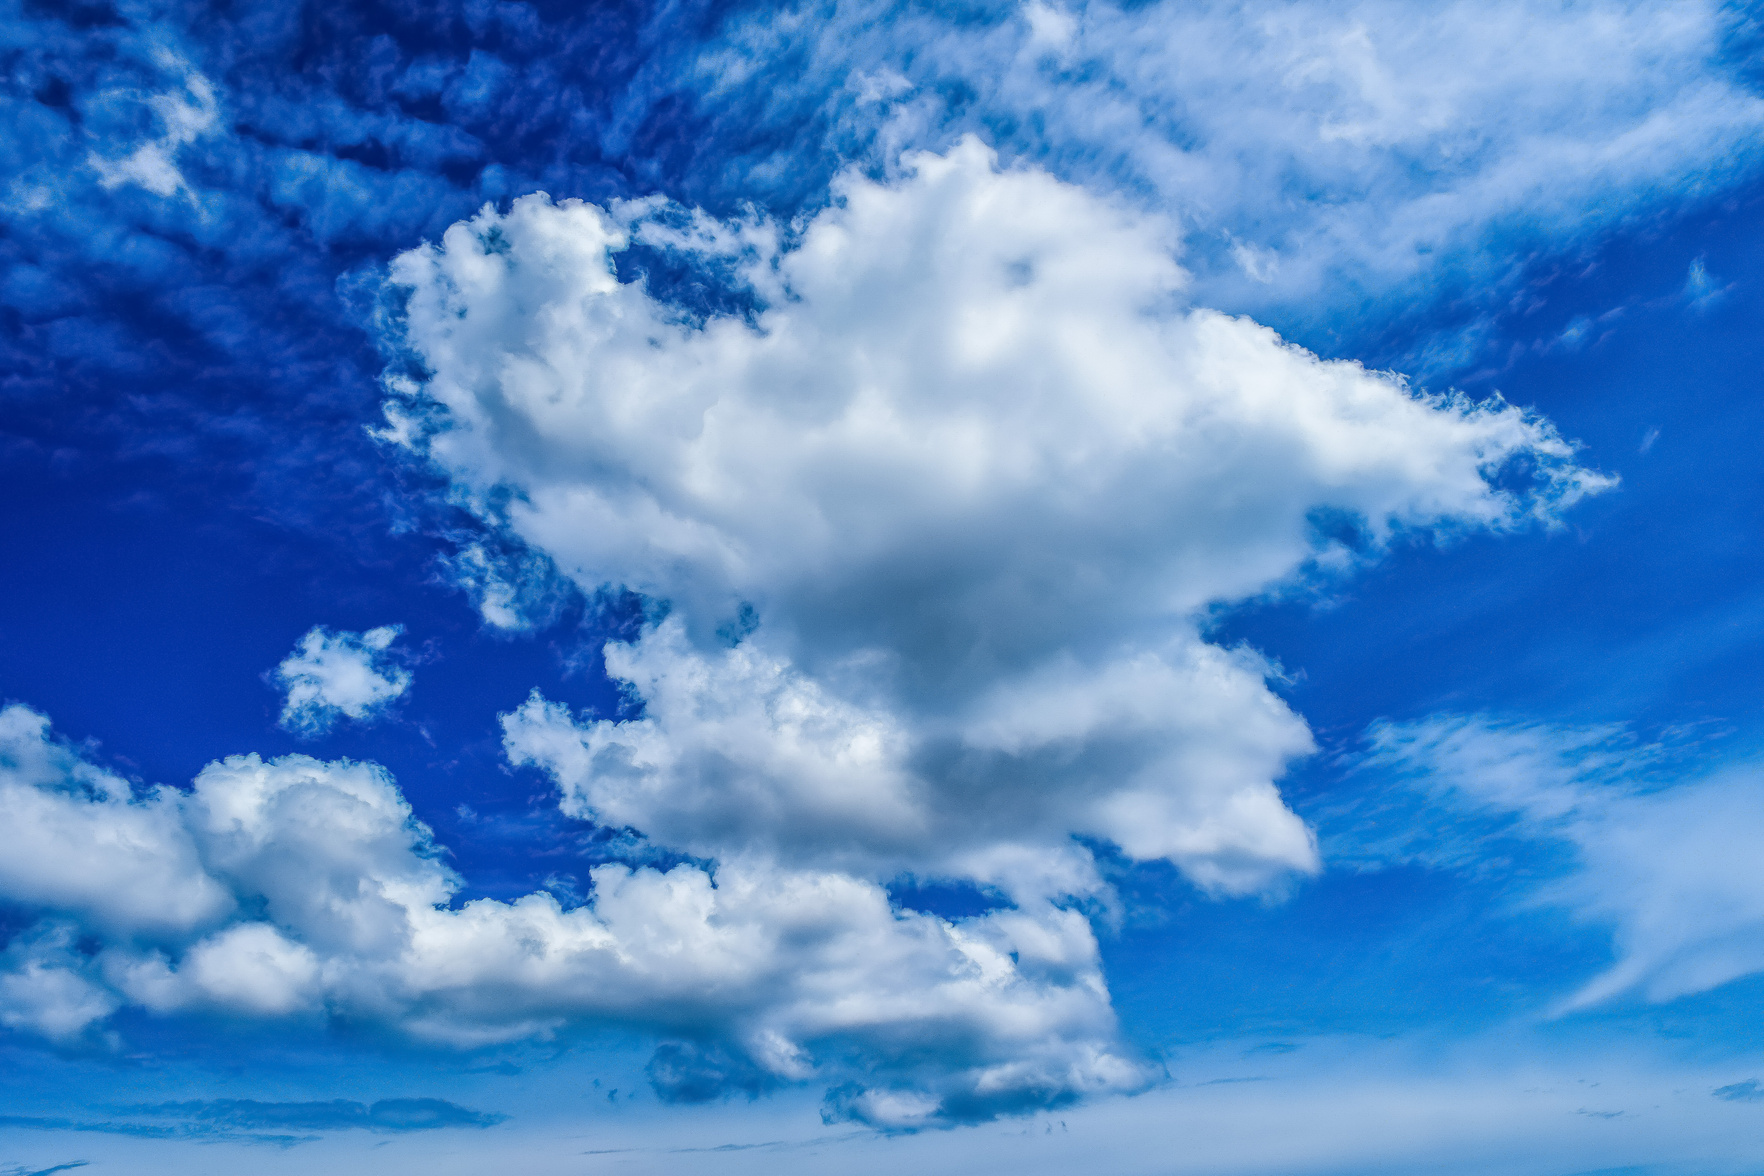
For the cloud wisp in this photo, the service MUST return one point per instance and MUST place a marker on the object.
(250, 1121)
(1666, 862)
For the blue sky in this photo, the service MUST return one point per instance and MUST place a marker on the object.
(879, 586)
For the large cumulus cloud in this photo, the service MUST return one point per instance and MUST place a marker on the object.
(928, 526)
(958, 491)
(927, 529)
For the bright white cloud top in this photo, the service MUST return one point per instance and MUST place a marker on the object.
(332, 675)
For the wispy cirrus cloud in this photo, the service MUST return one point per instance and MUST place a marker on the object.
(250, 1121)
(1315, 154)
(1658, 852)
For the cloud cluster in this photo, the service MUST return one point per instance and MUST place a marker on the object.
(1668, 863)
(295, 888)
(929, 534)
(339, 674)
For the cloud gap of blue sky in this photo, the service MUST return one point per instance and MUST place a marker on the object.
(936, 585)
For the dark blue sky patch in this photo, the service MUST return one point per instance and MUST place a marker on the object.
(946, 898)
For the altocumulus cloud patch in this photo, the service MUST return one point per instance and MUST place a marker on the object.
(332, 675)
(1316, 151)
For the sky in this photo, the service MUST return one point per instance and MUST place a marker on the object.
(655, 588)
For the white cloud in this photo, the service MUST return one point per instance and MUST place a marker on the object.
(44, 987)
(1670, 865)
(1356, 146)
(182, 120)
(1169, 754)
(977, 468)
(84, 845)
(335, 900)
(515, 591)
(339, 673)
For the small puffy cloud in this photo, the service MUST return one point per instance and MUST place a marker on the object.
(1669, 864)
(46, 987)
(332, 674)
